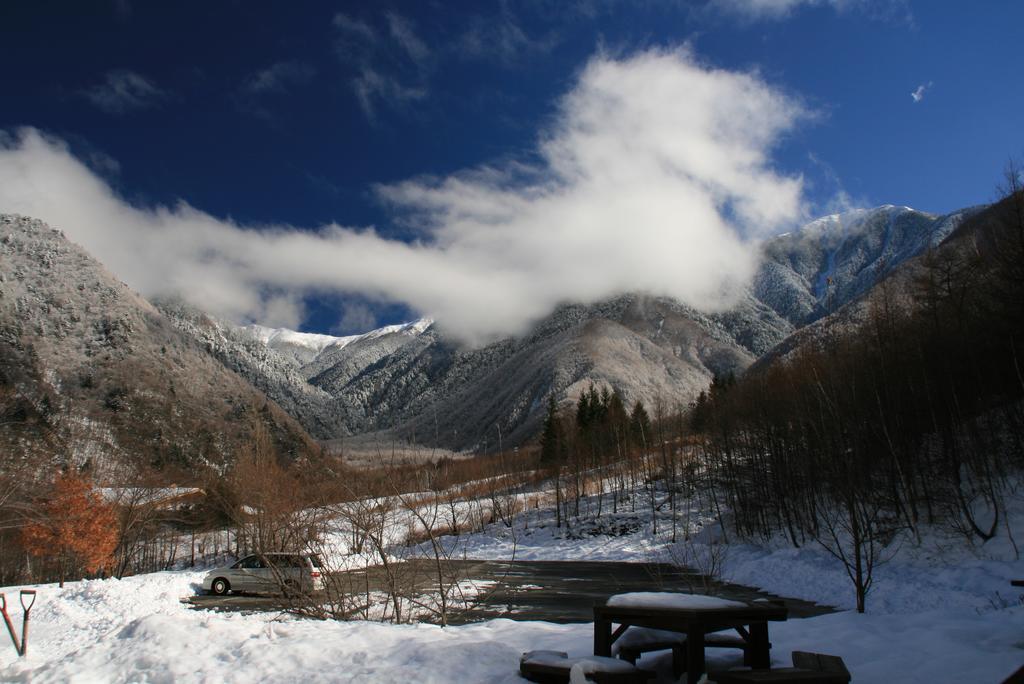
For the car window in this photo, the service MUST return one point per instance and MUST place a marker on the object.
(280, 560)
(250, 563)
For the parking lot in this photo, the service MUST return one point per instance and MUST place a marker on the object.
(554, 591)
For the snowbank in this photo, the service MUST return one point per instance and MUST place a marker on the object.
(939, 612)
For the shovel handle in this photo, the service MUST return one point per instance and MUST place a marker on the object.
(24, 623)
(24, 593)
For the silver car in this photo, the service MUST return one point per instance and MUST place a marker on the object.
(268, 573)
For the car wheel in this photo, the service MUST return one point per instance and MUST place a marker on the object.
(220, 586)
(292, 589)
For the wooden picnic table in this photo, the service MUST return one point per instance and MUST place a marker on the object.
(749, 620)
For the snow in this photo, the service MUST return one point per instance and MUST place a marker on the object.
(136, 630)
(587, 664)
(284, 336)
(940, 611)
(276, 338)
(639, 637)
(670, 600)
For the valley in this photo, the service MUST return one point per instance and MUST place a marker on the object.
(674, 342)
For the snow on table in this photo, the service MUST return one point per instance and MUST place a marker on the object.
(641, 637)
(671, 600)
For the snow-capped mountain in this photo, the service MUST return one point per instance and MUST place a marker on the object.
(298, 346)
(832, 260)
(276, 374)
(93, 373)
(306, 347)
(273, 361)
(414, 381)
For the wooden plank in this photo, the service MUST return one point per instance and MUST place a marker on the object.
(759, 653)
(694, 654)
(784, 675)
(602, 636)
(819, 662)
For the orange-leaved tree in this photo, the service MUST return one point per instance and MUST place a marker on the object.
(75, 529)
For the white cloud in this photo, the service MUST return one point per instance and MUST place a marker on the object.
(278, 77)
(402, 32)
(762, 8)
(777, 9)
(372, 87)
(649, 173)
(391, 70)
(354, 27)
(500, 37)
(123, 91)
(918, 93)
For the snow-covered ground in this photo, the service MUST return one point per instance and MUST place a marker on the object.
(939, 612)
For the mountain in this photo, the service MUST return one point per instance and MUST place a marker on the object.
(90, 372)
(297, 346)
(895, 265)
(416, 383)
(806, 274)
(304, 348)
(272, 360)
(94, 342)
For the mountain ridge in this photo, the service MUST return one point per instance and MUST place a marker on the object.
(413, 382)
(115, 385)
(427, 387)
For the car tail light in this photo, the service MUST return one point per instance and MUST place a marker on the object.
(314, 574)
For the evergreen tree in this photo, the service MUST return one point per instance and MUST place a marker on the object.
(640, 424)
(700, 412)
(584, 412)
(551, 440)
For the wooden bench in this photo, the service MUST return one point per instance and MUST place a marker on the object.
(554, 667)
(808, 668)
(639, 640)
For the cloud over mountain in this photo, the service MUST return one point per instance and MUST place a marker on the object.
(654, 175)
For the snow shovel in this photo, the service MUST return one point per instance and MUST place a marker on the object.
(22, 645)
(24, 622)
(10, 625)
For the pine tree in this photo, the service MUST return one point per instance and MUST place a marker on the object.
(551, 441)
(700, 412)
(640, 424)
(584, 412)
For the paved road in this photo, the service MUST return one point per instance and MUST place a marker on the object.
(555, 591)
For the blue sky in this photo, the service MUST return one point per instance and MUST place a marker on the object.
(263, 114)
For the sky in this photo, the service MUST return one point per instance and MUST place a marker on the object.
(335, 166)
